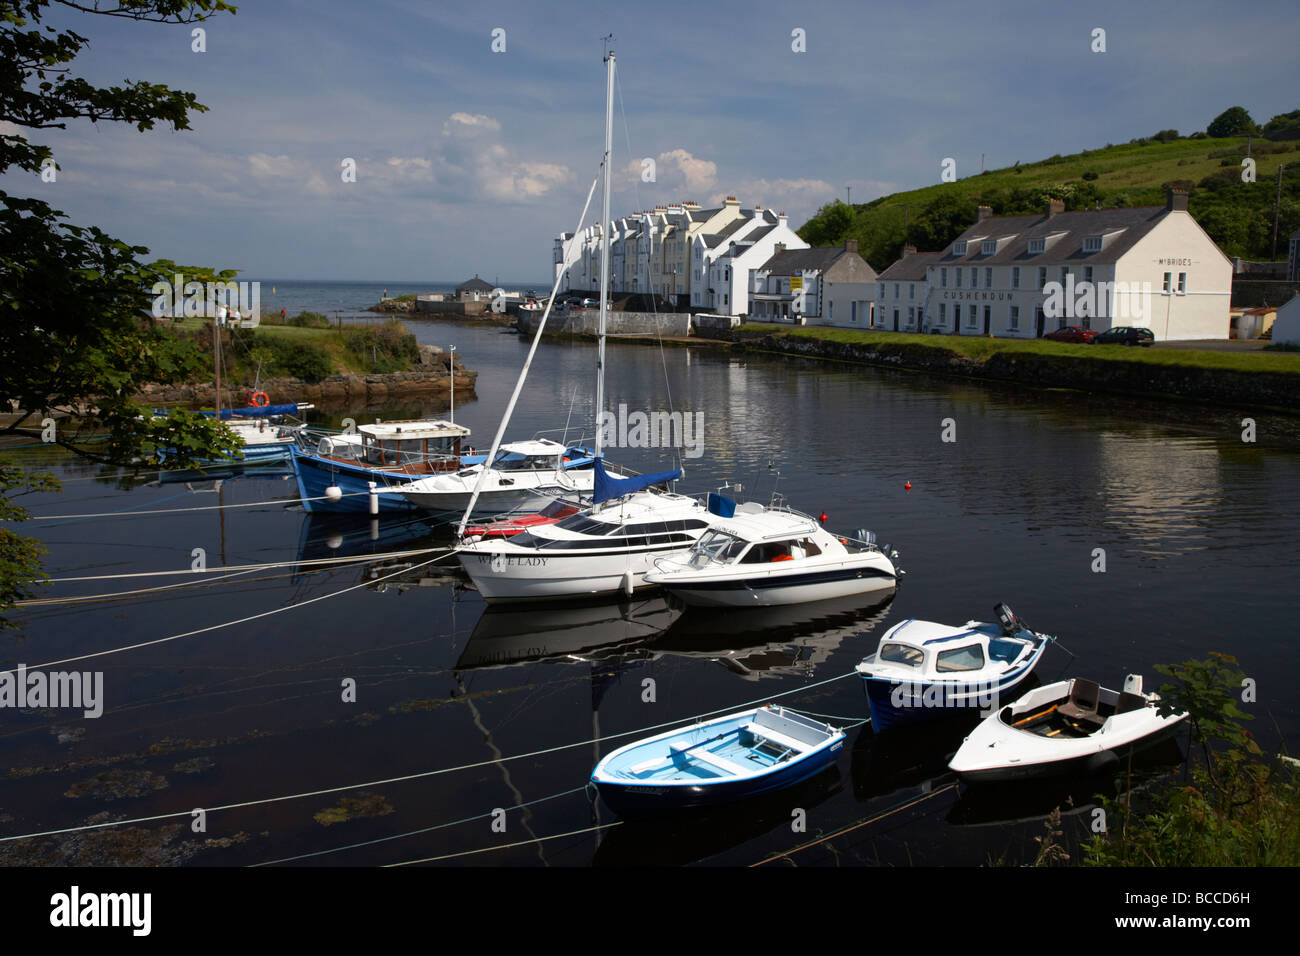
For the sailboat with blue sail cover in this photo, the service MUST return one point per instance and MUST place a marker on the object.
(609, 548)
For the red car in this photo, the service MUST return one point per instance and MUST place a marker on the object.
(1072, 333)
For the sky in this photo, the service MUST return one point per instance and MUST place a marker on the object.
(471, 159)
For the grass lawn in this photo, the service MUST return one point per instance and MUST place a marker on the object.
(980, 348)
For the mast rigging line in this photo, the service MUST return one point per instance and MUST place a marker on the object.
(217, 627)
(411, 776)
(532, 350)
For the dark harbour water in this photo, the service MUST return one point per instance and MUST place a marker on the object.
(1199, 532)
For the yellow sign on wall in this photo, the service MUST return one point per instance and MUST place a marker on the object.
(796, 282)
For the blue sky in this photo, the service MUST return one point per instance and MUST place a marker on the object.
(471, 161)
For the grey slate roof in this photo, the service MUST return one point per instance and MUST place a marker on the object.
(794, 261)
(910, 268)
(474, 285)
(1135, 221)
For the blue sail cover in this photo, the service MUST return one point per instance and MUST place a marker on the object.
(255, 412)
(608, 487)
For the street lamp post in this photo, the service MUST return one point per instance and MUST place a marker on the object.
(451, 377)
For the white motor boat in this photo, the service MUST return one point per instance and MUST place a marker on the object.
(604, 551)
(1070, 727)
(526, 474)
(771, 556)
(922, 670)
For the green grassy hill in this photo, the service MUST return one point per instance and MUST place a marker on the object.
(1238, 216)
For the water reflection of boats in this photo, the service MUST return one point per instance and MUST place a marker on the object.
(224, 471)
(385, 537)
(508, 635)
(1024, 802)
(689, 836)
(911, 756)
(773, 641)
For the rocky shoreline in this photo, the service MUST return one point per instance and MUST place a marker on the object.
(427, 385)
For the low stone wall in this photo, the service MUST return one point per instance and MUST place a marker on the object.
(1227, 386)
(673, 324)
(1253, 293)
(452, 308)
(706, 321)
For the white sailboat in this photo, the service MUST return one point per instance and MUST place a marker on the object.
(610, 548)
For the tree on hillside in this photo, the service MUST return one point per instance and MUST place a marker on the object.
(1283, 126)
(1234, 121)
(77, 337)
(828, 228)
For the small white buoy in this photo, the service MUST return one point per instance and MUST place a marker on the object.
(333, 493)
(374, 498)
(627, 583)
(334, 541)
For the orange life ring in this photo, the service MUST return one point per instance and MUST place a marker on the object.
(259, 400)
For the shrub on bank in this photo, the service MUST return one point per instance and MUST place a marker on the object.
(389, 347)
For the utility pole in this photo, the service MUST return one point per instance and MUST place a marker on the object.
(451, 368)
(1277, 208)
(848, 197)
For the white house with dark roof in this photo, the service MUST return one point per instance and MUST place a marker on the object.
(1022, 276)
(901, 292)
(1286, 327)
(733, 258)
(474, 289)
(826, 285)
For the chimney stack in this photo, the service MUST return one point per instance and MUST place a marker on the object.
(908, 250)
(1176, 200)
(986, 212)
(1054, 207)
(851, 245)
(780, 248)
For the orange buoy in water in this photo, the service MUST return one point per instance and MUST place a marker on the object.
(822, 519)
(907, 486)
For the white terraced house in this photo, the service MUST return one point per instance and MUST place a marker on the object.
(672, 250)
(828, 285)
(1024, 276)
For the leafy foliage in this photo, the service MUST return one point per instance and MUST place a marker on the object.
(387, 348)
(75, 335)
(1234, 121)
(1238, 810)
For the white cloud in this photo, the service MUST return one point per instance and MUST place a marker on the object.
(471, 162)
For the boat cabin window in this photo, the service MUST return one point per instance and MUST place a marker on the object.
(509, 461)
(716, 546)
(405, 451)
(810, 547)
(902, 654)
(968, 658)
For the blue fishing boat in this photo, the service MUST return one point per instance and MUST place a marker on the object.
(337, 476)
(922, 670)
(717, 761)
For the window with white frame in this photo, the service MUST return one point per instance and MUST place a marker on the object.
(974, 278)
(1015, 277)
(911, 290)
(988, 278)
(1065, 274)
(1169, 281)
(959, 248)
(1042, 277)
(1013, 320)
(1092, 244)
(896, 295)
(911, 316)
(943, 278)
(956, 275)
(1182, 283)
(989, 246)
(1087, 273)
(1036, 246)
(943, 313)
(972, 317)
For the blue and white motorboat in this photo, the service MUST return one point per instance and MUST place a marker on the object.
(1070, 727)
(717, 761)
(922, 670)
(265, 433)
(337, 476)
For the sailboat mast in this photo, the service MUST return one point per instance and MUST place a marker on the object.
(604, 248)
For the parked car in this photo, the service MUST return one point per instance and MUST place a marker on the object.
(1072, 333)
(1125, 335)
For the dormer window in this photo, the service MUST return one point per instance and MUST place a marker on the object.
(1092, 244)
(988, 247)
(1036, 246)
(959, 248)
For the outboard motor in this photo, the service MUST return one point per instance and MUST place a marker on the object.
(865, 536)
(1133, 684)
(1011, 625)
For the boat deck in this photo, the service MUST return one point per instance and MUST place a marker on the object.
(739, 752)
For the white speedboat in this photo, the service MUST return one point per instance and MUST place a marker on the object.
(765, 557)
(604, 551)
(922, 670)
(1070, 727)
(525, 474)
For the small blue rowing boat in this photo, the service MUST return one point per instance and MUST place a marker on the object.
(717, 761)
